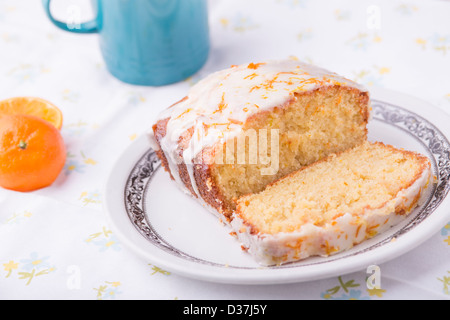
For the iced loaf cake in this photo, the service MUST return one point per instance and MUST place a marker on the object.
(307, 112)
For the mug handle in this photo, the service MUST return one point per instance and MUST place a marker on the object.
(86, 27)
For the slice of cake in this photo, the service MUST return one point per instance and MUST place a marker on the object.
(331, 205)
(242, 128)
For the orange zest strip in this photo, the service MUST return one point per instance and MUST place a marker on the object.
(251, 76)
(185, 112)
(207, 126)
(235, 121)
(255, 88)
(222, 104)
(288, 72)
(255, 66)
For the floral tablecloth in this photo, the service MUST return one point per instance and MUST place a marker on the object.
(56, 242)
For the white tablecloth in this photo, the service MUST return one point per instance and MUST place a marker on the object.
(56, 242)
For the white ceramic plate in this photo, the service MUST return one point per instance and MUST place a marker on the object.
(160, 223)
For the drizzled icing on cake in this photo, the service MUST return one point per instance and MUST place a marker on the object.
(218, 106)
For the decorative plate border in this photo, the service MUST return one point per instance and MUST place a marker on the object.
(421, 129)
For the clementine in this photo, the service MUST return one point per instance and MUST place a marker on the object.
(34, 107)
(32, 153)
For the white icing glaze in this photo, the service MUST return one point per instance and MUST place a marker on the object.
(336, 236)
(218, 106)
(152, 140)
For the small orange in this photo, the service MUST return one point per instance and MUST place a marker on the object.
(32, 153)
(34, 107)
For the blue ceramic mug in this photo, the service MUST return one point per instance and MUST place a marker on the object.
(148, 42)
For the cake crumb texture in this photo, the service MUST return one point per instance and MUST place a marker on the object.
(366, 177)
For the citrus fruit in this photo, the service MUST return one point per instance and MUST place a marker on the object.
(34, 107)
(32, 153)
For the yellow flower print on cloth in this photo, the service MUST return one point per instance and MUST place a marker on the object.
(156, 270)
(77, 129)
(239, 23)
(104, 240)
(445, 233)
(17, 218)
(350, 290)
(363, 40)
(447, 97)
(78, 164)
(342, 15)
(9, 267)
(108, 290)
(406, 9)
(28, 269)
(135, 98)
(372, 76)
(436, 42)
(70, 95)
(305, 34)
(445, 283)
(27, 72)
(90, 198)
